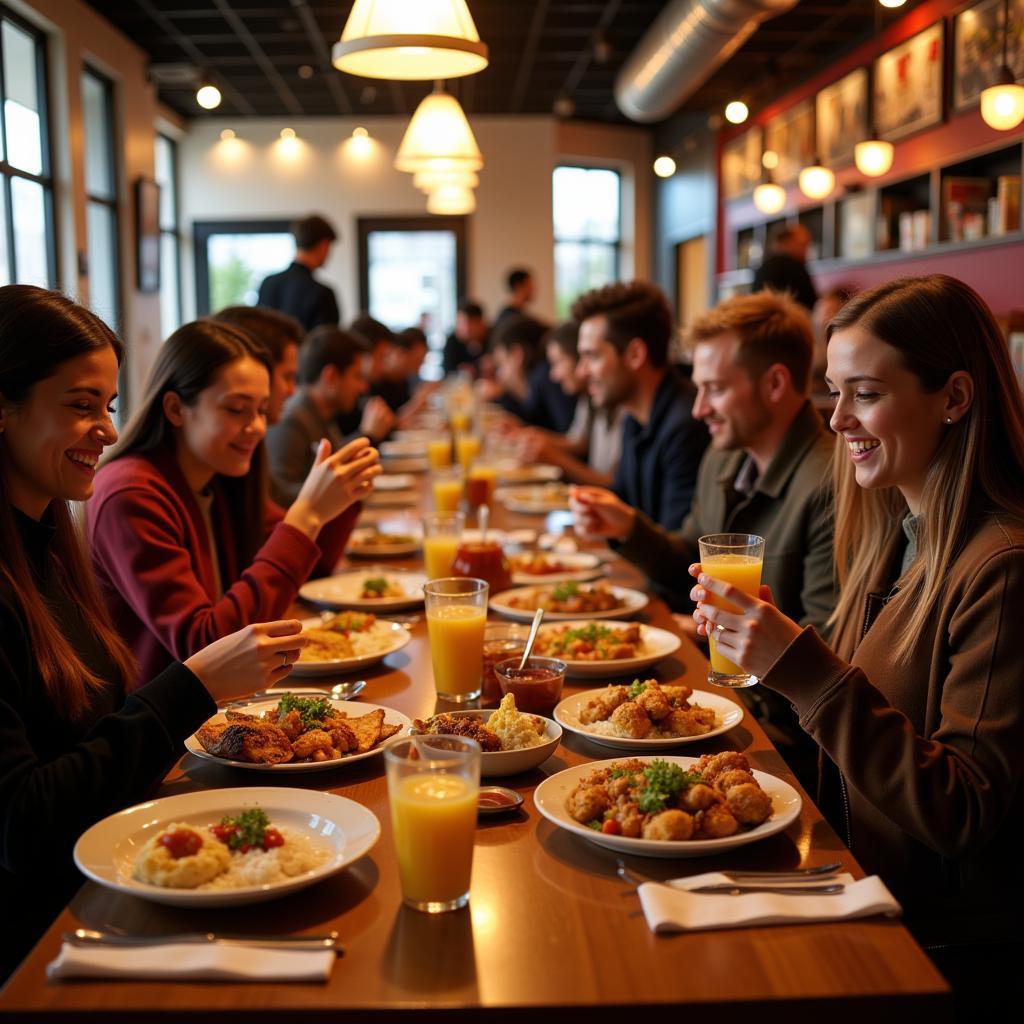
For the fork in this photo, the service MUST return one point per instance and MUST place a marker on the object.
(90, 937)
(783, 890)
(821, 873)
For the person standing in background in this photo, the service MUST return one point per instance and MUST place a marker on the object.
(466, 345)
(522, 290)
(296, 291)
(784, 269)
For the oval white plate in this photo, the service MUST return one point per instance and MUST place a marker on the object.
(580, 566)
(364, 544)
(343, 590)
(658, 644)
(497, 763)
(353, 708)
(511, 472)
(105, 853)
(633, 601)
(550, 797)
(398, 637)
(727, 714)
(534, 500)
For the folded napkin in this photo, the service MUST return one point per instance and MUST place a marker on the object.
(191, 961)
(670, 907)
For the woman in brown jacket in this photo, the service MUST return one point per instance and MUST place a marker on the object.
(919, 710)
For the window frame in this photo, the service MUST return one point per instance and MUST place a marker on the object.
(8, 171)
(175, 232)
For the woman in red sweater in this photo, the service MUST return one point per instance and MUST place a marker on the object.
(184, 542)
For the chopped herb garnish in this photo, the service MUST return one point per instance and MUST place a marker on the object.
(636, 689)
(248, 830)
(664, 780)
(376, 585)
(312, 710)
(595, 824)
(591, 633)
(564, 591)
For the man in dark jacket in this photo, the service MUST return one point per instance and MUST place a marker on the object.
(784, 269)
(295, 291)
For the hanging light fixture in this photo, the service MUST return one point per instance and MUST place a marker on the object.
(208, 95)
(438, 138)
(736, 112)
(451, 200)
(664, 167)
(873, 156)
(816, 181)
(410, 40)
(892, 3)
(1002, 103)
(769, 197)
(429, 179)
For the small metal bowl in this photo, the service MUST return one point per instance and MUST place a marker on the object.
(497, 800)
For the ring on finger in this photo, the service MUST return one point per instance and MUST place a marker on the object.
(285, 663)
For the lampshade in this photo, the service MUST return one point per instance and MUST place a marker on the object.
(769, 197)
(1002, 104)
(410, 40)
(438, 131)
(432, 178)
(873, 157)
(736, 112)
(451, 200)
(816, 181)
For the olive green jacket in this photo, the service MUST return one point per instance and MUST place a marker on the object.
(790, 506)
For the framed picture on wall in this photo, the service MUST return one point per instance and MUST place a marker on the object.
(908, 85)
(978, 49)
(791, 137)
(841, 114)
(147, 241)
(741, 164)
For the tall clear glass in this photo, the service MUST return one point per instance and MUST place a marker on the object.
(442, 535)
(456, 617)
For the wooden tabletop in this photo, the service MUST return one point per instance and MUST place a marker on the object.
(550, 929)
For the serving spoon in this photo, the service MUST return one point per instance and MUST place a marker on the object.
(538, 617)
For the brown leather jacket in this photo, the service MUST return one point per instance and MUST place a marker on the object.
(925, 760)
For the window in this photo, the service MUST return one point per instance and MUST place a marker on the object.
(27, 251)
(586, 209)
(101, 198)
(233, 257)
(166, 159)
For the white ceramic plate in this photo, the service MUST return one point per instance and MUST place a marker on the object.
(578, 566)
(537, 499)
(343, 590)
(393, 482)
(551, 795)
(396, 635)
(105, 853)
(365, 542)
(354, 709)
(403, 449)
(632, 601)
(511, 472)
(727, 715)
(498, 763)
(656, 645)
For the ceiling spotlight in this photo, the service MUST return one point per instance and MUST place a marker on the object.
(816, 181)
(563, 106)
(892, 3)
(360, 145)
(287, 133)
(226, 134)
(664, 167)
(208, 96)
(306, 71)
(736, 112)
(873, 157)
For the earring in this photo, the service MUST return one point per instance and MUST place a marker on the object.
(949, 419)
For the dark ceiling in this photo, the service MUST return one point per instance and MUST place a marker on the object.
(271, 58)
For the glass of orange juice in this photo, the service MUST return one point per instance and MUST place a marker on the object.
(439, 451)
(448, 486)
(734, 558)
(456, 617)
(442, 535)
(467, 448)
(433, 782)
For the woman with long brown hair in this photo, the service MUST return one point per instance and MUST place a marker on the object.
(185, 544)
(72, 747)
(918, 711)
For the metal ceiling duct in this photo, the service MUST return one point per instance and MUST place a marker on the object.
(689, 40)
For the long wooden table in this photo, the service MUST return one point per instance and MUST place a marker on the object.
(550, 929)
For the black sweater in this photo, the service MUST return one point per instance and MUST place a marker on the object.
(58, 777)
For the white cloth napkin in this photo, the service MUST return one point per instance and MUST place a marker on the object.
(670, 907)
(192, 962)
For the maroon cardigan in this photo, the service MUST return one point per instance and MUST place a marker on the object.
(152, 556)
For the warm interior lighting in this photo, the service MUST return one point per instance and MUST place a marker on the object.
(892, 3)
(451, 200)
(208, 96)
(287, 133)
(770, 160)
(430, 179)
(736, 112)
(227, 133)
(1002, 104)
(360, 145)
(816, 181)
(769, 197)
(410, 40)
(873, 157)
(438, 131)
(664, 167)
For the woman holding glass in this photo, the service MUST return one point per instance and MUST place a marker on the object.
(918, 710)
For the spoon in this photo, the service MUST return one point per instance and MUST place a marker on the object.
(483, 516)
(538, 617)
(341, 691)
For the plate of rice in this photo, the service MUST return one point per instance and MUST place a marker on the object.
(347, 642)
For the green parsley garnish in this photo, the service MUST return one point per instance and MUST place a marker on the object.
(246, 830)
(376, 585)
(636, 689)
(312, 710)
(664, 780)
(564, 591)
(595, 824)
(591, 633)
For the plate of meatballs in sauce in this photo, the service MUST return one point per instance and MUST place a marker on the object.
(669, 806)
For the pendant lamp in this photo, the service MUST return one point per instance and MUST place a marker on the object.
(451, 200)
(430, 178)
(769, 197)
(873, 156)
(1002, 103)
(438, 138)
(410, 40)
(816, 181)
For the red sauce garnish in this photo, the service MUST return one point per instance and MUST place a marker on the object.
(182, 842)
(495, 800)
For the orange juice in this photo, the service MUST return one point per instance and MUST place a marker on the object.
(743, 571)
(467, 448)
(480, 484)
(434, 819)
(438, 554)
(457, 648)
(447, 494)
(439, 452)
(461, 421)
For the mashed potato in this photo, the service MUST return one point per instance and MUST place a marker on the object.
(516, 730)
(156, 864)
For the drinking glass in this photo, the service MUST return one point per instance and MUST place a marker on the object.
(439, 451)
(456, 616)
(481, 481)
(467, 448)
(734, 558)
(502, 640)
(537, 686)
(442, 535)
(447, 485)
(433, 783)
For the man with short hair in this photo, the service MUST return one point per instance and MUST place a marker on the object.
(784, 269)
(466, 345)
(522, 289)
(295, 291)
(623, 346)
(372, 415)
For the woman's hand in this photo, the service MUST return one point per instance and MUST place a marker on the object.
(334, 482)
(597, 512)
(755, 636)
(251, 659)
